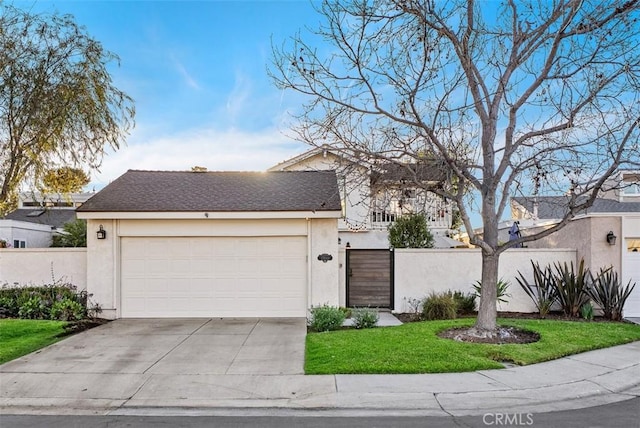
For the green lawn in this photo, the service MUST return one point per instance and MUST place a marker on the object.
(20, 337)
(415, 348)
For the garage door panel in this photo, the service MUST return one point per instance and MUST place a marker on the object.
(213, 276)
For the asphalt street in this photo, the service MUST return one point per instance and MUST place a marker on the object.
(623, 414)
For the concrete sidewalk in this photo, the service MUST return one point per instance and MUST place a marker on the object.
(583, 380)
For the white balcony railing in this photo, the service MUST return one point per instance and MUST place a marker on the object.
(437, 218)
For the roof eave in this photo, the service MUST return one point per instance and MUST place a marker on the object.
(213, 215)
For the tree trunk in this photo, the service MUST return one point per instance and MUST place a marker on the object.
(487, 310)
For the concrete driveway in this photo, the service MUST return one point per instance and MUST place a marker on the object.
(163, 362)
(176, 346)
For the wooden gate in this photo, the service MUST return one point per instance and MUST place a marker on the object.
(370, 278)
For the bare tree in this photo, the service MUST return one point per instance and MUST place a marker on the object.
(58, 104)
(512, 97)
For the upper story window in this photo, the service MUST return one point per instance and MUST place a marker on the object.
(631, 189)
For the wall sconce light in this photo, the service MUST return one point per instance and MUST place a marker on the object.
(339, 241)
(348, 245)
(102, 234)
(611, 238)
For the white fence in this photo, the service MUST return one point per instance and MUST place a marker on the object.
(418, 272)
(41, 266)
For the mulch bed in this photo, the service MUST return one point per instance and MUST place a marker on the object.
(504, 334)
(81, 325)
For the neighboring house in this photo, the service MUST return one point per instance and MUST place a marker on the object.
(38, 217)
(213, 244)
(374, 195)
(606, 234)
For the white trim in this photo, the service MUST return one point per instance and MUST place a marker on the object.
(217, 215)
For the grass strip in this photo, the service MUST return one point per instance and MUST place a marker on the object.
(19, 337)
(416, 348)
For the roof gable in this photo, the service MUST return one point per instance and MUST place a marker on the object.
(175, 191)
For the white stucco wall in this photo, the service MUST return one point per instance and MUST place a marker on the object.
(34, 235)
(44, 266)
(418, 272)
(324, 284)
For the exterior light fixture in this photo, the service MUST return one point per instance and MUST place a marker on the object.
(348, 245)
(102, 234)
(611, 238)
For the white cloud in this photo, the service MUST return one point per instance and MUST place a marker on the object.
(237, 99)
(215, 149)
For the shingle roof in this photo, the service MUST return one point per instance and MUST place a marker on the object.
(554, 207)
(174, 191)
(421, 172)
(52, 217)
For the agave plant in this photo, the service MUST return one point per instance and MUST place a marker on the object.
(572, 286)
(607, 291)
(543, 291)
(501, 289)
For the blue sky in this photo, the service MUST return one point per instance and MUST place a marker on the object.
(197, 73)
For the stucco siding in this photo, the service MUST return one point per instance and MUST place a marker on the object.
(419, 272)
(44, 266)
(104, 260)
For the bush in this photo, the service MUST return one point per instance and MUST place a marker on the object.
(347, 311)
(67, 310)
(37, 302)
(465, 303)
(571, 287)
(608, 293)
(326, 318)
(586, 311)
(33, 308)
(543, 292)
(440, 306)
(364, 317)
(8, 307)
(410, 231)
(501, 289)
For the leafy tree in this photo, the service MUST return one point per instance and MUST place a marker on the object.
(74, 235)
(58, 104)
(64, 180)
(410, 231)
(513, 97)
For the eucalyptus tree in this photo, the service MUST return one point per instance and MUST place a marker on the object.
(510, 97)
(58, 104)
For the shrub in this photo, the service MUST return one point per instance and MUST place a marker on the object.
(33, 308)
(410, 231)
(37, 302)
(74, 234)
(543, 291)
(326, 318)
(440, 306)
(67, 310)
(571, 287)
(608, 293)
(586, 311)
(465, 303)
(8, 307)
(501, 289)
(365, 317)
(347, 311)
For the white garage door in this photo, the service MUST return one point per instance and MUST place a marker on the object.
(214, 277)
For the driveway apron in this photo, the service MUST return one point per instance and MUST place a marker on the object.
(116, 360)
